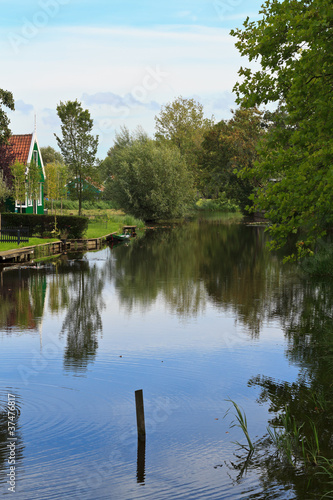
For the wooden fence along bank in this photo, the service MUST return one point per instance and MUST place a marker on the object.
(28, 253)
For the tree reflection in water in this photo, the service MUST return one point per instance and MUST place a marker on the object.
(22, 298)
(192, 265)
(83, 321)
(306, 314)
(161, 264)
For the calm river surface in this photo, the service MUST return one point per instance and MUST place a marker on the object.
(193, 315)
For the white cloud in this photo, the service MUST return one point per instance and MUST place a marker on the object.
(116, 101)
(50, 119)
(22, 107)
(122, 74)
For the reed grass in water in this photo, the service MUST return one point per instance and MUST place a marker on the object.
(241, 422)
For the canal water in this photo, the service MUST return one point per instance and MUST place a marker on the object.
(196, 315)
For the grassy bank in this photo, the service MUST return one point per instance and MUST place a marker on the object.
(100, 224)
(32, 242)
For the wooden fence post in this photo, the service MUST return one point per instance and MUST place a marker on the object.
(140, 415)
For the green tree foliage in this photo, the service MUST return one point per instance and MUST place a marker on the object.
(33, 180)
(293, 43)
(56, 189)
(7, 100)
(182, 123)
(51, 185)
(7, 158)
(4, 189)
(228, 148)
(78, 146)
(148, 180)
(50, 155)
(19, 182)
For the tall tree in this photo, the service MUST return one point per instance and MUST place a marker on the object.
(56, 181)
(7, 158)
(33, 183)
(78, 146)
(19, 183)
(4, 189)
(182, 123)
(149, 180)
(293, 44)
(51, 186)
(7, 100)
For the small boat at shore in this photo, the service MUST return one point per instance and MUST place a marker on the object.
(119, 237)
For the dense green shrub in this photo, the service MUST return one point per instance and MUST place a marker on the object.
(220, 204)
(44, 224)
(150, 181)
(320, 263)
(86, 205)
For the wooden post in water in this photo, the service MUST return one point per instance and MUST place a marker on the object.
(140, 415)
(141, 462)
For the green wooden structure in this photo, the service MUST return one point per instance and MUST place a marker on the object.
(90, 190)
(26, 149)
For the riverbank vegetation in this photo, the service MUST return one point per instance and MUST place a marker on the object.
(220, 204)
(102, 224)
(99, 225)
(294, 447)
(32, 242)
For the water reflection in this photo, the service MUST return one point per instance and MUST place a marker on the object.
(82, 323)
(163, 263)
(22, 299)
(206, 268)
(141, 461)
(193, 265)
(187, 267)
(70, 287)
(305, 310)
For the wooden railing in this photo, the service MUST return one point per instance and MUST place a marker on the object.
(14, 235)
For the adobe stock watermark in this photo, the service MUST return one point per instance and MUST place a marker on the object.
(151, 81)
(30, 28)
(224, 8)
(138, 96)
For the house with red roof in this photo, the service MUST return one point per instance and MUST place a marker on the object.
(26, 150)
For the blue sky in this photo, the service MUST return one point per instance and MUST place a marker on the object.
(121, 59)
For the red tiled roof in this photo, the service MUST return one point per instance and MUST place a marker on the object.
(21, 147)
(95, 184)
